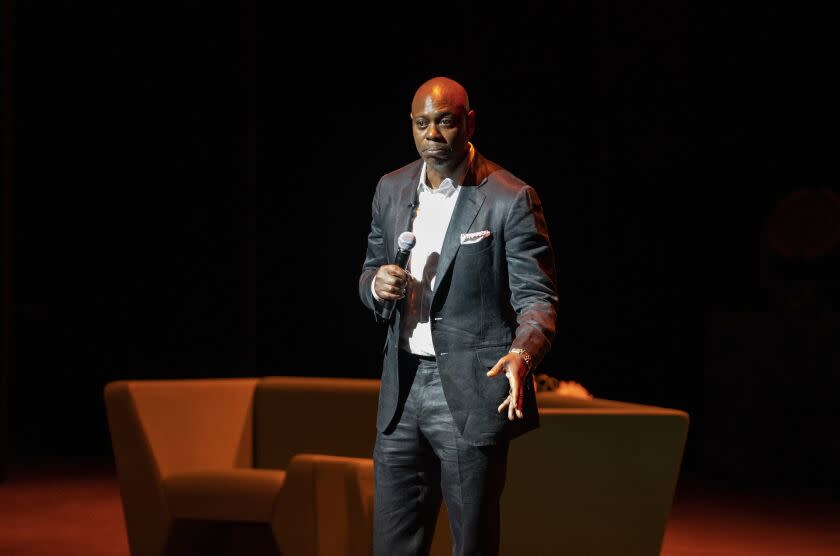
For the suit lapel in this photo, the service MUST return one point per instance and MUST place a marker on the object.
(466, 209)
(469, 202)
(404, 211)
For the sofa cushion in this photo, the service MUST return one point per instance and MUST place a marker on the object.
(225, 494)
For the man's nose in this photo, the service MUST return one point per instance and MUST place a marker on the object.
(432, 132)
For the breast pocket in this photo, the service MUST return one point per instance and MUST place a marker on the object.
(477, 248)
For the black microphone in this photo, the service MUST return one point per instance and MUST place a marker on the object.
(406, 243)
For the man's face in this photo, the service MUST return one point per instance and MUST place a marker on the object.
(442, 128)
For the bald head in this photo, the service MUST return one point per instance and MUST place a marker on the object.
(441, 89)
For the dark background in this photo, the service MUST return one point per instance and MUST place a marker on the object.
(188, 194)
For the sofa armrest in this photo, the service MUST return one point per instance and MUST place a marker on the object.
(325, 507)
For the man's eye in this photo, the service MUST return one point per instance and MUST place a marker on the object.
(447, 122)
(421, 123)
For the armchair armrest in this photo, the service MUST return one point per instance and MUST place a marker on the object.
(162, 427)
(325, 507)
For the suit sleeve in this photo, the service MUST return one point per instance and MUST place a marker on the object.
(374, 258)
(531, 275)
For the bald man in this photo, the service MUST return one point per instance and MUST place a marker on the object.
(475, 314)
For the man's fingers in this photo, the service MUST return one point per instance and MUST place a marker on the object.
(390, 293)
(395, 272)
(389, 286)
(514, 388)
(516, 398)
(395, 290)
(392, 275)
(506, 405)
(496, 368)
(393, 281)
(513, 403)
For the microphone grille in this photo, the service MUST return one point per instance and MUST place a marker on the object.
(406, 241)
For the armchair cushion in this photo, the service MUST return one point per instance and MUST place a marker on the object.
(224, 494)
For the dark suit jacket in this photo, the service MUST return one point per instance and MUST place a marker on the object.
(489, 296)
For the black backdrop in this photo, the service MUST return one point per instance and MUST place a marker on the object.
(192, 182)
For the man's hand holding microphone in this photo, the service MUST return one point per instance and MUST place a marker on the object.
(390, 282)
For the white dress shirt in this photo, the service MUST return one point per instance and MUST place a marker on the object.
(431, 219)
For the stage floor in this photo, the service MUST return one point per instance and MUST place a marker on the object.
(69, 510)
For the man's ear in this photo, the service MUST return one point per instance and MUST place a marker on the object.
(470, 123)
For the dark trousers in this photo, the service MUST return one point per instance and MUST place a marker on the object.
(419, 459)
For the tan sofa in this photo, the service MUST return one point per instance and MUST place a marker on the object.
(233, 467)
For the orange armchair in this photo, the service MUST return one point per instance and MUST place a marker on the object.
(219, 466)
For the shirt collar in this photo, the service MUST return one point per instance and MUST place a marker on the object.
(446, 186)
